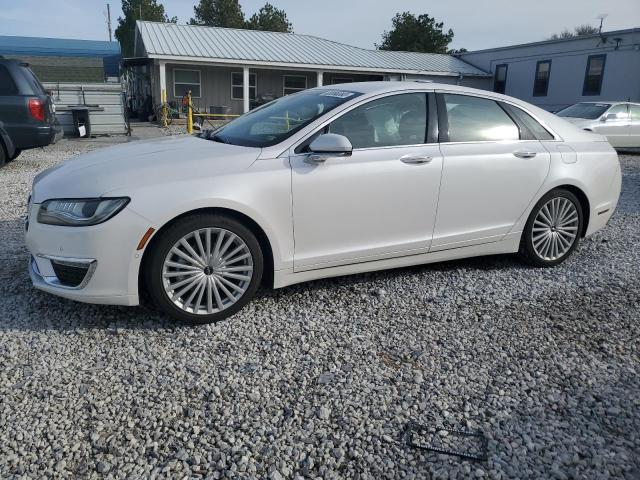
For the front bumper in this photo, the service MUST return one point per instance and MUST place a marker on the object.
(108, 250)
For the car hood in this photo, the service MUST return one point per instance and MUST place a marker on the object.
(580, 122)
(140, 163)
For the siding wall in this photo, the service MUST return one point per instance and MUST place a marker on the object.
(621, 80)
(108, 120)
(216, 83)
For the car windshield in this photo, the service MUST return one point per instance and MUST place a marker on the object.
(590, 111)
(278, 120)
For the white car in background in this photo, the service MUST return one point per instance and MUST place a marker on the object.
(618, 121)
(330, 181)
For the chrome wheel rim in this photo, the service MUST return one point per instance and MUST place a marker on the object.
(555, 228)
(207, 271)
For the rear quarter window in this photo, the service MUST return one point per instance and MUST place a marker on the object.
(531, 123)
(33, 81)
(7, 85)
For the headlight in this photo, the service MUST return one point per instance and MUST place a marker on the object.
(75, 212)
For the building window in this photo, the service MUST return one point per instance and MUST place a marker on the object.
(237, 86)
(593, 75)
(336, 80)
(541, 80)
(185, 81)
(293, 84)
(500, 79)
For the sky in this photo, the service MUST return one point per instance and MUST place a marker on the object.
(477, 24)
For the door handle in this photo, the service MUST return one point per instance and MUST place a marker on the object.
(523, 154)
(415, 159)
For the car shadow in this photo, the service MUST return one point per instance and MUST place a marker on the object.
(25, 308)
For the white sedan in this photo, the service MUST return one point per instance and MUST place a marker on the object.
(329, 181)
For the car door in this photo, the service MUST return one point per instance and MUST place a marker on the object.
(614, 125)
(380, 201)
(491, 171)
(634, 127)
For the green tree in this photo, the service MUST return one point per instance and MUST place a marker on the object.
(270, 19)
(411, 33)
(579, 31)
(132, 9)
(218, 13)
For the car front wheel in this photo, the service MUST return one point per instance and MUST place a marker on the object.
(553, 229)
(204, 268)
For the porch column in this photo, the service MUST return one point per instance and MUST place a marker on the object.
(163, 82)
(320, 79)
(245, 88)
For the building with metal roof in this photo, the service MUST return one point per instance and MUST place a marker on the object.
(228, 69)
(553, 74)
(64, 59)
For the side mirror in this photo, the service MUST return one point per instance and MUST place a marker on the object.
(331, 143)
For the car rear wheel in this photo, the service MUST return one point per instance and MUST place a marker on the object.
(3, 155)
(553, 229)
(204, 268)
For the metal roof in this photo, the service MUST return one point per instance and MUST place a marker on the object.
(581, 38)
(227, 45)
(58, 47)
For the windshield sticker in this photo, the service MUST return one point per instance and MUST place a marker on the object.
(337, 94)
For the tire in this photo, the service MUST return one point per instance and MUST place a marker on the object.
(16, 154)
(563, 230)
(212, 281)
(3, 155)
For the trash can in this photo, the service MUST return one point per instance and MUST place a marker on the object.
(81, 121)
(219, 109)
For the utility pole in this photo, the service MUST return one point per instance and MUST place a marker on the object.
(109, 21)
(601, 17)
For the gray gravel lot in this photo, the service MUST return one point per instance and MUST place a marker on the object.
(318, 380)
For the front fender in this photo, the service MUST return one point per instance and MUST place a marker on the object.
(262, 193)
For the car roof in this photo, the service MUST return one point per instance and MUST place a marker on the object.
(612, 102)
(393, 86)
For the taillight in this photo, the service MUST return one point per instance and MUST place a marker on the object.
(36, 108)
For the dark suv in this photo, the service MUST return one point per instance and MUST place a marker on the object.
(27, 114)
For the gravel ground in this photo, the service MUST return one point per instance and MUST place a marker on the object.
(319, 380)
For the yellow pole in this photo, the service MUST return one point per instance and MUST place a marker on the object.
(189, 114)
(164, 108)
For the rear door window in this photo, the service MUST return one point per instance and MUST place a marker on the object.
(7, 85)
(475, 119)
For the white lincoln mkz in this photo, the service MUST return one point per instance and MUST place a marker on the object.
(329, 181)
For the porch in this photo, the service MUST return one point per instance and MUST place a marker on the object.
(235, 89)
